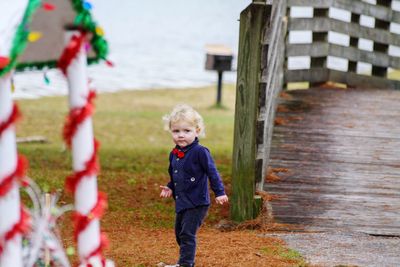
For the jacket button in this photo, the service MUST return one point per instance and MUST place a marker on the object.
(175, 184)
(175, 171)
(192, 179)
(177, 197)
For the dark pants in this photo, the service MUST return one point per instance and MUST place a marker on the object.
(186, 225)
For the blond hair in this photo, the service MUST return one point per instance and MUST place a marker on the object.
(184, 112)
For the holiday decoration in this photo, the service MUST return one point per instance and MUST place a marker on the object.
(78, 134)
(12, 170)
(12, 165)
(36, 43)
(43, 245)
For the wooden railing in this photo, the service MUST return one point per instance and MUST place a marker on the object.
(379, 35)
(263, 61)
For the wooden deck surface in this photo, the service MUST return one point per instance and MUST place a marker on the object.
(335, 159)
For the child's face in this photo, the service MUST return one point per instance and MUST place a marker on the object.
(183, 133)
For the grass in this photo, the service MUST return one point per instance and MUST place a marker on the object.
(134, 159)
(128, 124)
(394, 74)
(285, 253)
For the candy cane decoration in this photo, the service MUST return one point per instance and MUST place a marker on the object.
(78, 134)
(13, 219)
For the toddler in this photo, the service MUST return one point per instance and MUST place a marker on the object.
(190, 168)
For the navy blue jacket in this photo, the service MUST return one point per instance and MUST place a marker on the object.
(189, 177)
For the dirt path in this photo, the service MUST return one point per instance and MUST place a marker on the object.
(344, 248)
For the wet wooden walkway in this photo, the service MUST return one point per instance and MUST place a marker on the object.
(335, 160)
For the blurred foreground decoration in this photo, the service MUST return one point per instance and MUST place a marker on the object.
(33, 36)
(43, 246)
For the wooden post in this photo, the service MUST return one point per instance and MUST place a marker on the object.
(319, 62)
(352, 67)
(252, 21)
(379, 47)
(219, 89)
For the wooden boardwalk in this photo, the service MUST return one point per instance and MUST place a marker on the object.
(335, 160)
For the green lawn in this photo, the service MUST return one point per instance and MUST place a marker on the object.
(134, 159)
(134, 145)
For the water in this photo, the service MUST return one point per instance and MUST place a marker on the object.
(160, 44)
(154, 44)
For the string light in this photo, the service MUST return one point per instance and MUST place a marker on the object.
(12, 84)
(99, 31)
(48, 6)
(87, 5)
(34, 36)
(46, 78)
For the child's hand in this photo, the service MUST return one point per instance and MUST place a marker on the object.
(222, 199)
(166, 191)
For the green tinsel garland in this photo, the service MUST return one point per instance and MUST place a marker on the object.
(83, 19)
(21, 37)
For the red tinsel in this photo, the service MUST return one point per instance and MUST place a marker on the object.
(19, 173)
(4, 61)
(15, 115)
(104, 242)
(82, 221)
(19, 228)
(76, 116)
(70, 51)
(109, 63)
(92, 167)
(48, 6)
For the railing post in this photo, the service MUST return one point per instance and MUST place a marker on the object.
(319, 62)
(252, 23)
(379, 47)
(352, 67)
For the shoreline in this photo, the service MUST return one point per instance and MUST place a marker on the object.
(17, 94)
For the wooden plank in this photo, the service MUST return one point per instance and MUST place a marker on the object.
(335, 177)
(323, 49)
(354, 6)
(272, 77)
(357, 80)
(321, 24)
(249, 67)
(354, 43)
(351, 79)
(378, 46)
(307, 75)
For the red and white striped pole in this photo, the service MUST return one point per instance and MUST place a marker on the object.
(12, 167)
(78, 134)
